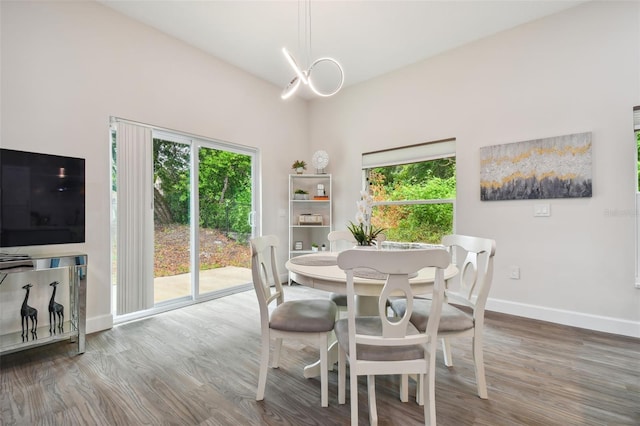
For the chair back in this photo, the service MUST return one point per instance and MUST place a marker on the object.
(398, 266)
(474, 258)
(380, 239)
(340, 239)
(264, 271)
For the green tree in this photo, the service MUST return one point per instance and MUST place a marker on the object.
(224, 190)
(224, 186)
(171, 172)
(433, 179)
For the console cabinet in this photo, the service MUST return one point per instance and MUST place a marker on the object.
(49, 317)
(310, 213)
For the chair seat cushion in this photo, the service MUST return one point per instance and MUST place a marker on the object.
(315, 315)
(452, 318)
(372, 326)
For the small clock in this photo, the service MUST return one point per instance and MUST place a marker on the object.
(320, 160)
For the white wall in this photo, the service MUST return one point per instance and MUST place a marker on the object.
(68, 66)
(573, 72)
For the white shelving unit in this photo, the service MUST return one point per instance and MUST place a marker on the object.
(310, 218)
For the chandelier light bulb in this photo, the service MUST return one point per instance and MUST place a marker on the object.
(291, 88)
(291, 60)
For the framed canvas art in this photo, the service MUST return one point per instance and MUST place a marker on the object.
(556, 167)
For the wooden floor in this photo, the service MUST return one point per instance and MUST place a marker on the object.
(198, 366)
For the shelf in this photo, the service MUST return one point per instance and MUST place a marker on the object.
(13, 342)
(70, 271)
(307, 232)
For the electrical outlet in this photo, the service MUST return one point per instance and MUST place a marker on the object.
(514, 273)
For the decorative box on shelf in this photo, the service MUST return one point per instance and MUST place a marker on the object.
(310, 219)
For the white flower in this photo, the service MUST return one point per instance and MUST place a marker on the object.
(367, 198)
(362, 230)
(362, 207)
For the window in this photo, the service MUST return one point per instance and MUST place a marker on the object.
(414, 190)
(636, 129)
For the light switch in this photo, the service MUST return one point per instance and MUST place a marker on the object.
(542, 210)
(514, 272)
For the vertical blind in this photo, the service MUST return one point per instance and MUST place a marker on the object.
(135, 218)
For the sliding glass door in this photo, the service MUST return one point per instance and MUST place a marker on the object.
(172, 242)
(204, 202)
(225, 219)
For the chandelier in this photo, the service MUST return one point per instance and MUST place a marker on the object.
(303, 76)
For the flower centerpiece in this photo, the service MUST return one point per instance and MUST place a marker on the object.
(363, 232)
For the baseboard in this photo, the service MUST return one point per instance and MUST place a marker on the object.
(558, 316)
(103, 322)
(571, 318)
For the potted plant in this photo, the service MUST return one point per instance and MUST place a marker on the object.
(299, 166)
(314, 247)
(363, 231)
(300, 194)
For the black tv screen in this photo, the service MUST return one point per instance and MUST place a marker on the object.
(42, 200)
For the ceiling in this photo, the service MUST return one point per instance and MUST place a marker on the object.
(369, 38)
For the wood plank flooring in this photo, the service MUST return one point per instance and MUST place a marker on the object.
(198, 366)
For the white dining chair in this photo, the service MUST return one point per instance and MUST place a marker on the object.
(470, 288)
(389, 345)
(339, 241)
(310, 320)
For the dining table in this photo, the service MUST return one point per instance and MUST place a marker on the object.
(320, 270)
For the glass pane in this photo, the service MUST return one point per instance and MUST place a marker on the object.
(114, 222)
(412, 183)
(425, 223)
(638, 158)
(224, 189)
(172, 175)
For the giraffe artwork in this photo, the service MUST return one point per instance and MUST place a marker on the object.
(55, 309)
(27, 312)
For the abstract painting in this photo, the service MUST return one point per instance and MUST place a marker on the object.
(556, 167)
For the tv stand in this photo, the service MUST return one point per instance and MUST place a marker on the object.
(27, 286)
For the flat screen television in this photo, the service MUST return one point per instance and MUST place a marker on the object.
(42, 199)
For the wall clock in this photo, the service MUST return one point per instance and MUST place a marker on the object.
(320, 160)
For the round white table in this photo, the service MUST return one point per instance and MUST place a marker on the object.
(320, 270)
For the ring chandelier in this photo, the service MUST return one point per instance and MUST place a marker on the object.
(305, 76)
